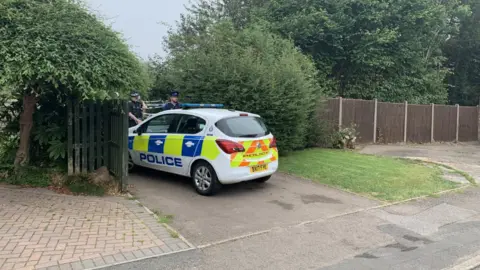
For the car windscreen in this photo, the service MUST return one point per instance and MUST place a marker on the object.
(243, 127)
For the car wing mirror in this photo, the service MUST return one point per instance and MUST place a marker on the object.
(140, 130)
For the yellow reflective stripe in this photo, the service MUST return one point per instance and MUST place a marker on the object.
(267, 142)
(237, 160)
(210, 148)
(275, 153)
(173, 145)
(140, 143)
(247, 144)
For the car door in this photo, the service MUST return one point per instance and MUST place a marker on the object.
(148, 146)
(185, 142)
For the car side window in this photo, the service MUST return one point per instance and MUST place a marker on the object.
(160, 124)
(190, 124)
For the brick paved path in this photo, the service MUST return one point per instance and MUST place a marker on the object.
(41, 229)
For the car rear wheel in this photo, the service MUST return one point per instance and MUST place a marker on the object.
(263, 179)
(205, 179)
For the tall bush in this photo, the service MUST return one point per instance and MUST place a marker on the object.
(250, 70)
(50, 51)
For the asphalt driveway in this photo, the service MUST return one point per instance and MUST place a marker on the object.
(241, 209)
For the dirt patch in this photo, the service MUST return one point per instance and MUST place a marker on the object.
(284, 205)
(315, 198)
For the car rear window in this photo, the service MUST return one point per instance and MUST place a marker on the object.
(243, 127)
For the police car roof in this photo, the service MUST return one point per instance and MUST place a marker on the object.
(212, 114)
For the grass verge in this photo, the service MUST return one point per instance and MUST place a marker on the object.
(163, 219)
(80, 185)
(172, 233)
(51, 178)
(384, 178)
(25, 176)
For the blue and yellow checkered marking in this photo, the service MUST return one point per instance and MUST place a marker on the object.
(156, 144)
(175, 145)
(130, 142)
(190, 145)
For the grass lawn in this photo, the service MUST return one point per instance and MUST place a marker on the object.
(384, 178)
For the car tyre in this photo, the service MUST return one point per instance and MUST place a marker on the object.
(131, 165)
(263, 179)
(205, 179)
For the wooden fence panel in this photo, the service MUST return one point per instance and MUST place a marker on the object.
(361, 114)
(468, 126)
(419, 123)
(390, 122)
(329, 113)
(445, 123)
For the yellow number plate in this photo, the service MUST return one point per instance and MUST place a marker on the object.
(259, 168)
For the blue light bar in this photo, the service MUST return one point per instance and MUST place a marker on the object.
(197, 105)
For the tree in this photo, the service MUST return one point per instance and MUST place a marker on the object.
(390, 50)
(463, 53)
(57, 49)
(250, 70)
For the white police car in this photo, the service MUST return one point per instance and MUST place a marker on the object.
(211, 145)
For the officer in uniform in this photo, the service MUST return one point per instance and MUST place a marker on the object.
(135, 111)
(173, 102)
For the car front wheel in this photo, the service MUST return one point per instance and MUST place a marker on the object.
(131, 165)
(205, 179)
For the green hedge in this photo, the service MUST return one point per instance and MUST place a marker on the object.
(250, 70)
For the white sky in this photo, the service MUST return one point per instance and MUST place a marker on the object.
(140, 21)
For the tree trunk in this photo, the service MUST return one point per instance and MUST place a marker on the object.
(26, 124)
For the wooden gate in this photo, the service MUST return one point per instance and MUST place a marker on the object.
(98, 136)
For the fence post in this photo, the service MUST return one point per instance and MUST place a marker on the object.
(124, 146)
(458, 122)
(340, 116)
(70, 137)
(432, 126)
(478, 122)
(405, 123)
(375, 121)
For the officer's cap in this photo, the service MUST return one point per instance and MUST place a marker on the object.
(134, 94)
(174, 93)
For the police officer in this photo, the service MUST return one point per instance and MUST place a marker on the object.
(135, 111)
(173, 102)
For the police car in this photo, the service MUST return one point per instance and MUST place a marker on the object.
(211, 145)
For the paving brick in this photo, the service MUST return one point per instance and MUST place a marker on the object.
(88, 263)
(71, 230)
(138, 254)
(8, 266)
(77, 266)
(129, 255)
(119, 257)
(147, 252)
(183, 245)
(99, 262)
(66, 266)
(109, 259)
(45, 265)
(17, 260)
